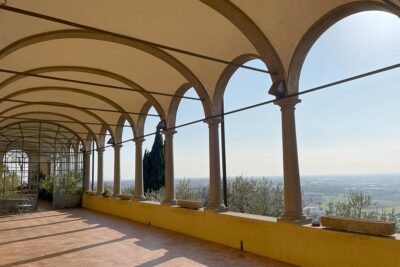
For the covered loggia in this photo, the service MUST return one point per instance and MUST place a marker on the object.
(75, 74)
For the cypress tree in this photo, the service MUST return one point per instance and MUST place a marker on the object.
(153, 165)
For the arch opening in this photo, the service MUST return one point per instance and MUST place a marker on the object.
(108, 163)
(127, 161)
(253, 145)
(347, 143)
(191, 156)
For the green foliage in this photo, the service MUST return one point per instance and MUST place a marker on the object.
(9, 183)
(155, 195)
(69, 183)
(184, 190)
(109, 187)
(247, 195)
(128, 190)
(107, 193)
(153, 165)
(255, 196)
(359, 205)
(46, 188)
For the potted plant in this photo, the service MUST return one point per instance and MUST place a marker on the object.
(106, 193)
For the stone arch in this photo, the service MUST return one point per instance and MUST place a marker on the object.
(319, 27)
(174, 105)
(103, 134)
(120, 128)
(89, 140)
(224, 79)
(253, 33)
(142, 119)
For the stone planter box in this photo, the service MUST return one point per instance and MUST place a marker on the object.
(61, 201)
(359, 225)
(126, 196)
(190, 204)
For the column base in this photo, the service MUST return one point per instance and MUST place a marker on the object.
(141, 198)
(171, 202)
(295, 219)
(220, 208)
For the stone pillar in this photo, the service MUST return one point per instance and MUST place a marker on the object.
(100, 178)
(169, 198)
(291, 176)
(215, 202)
(139, 170)
(117, 169)
(86, 172)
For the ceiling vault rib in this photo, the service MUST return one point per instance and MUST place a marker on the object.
(80, 107)
(95, 84)
(148, 43)
(35, 136)
(33, 129)
(392, 4)
(5, 136)
(63, 121)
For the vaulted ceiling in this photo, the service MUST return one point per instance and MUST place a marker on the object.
(278, 32)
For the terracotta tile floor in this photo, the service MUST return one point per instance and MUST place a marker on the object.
(79, 237)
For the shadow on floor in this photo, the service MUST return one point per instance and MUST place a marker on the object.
(112, 241)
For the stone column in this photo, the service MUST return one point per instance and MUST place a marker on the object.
(117, 169)
(100, 178)
(169, 198)
(291, 176)
(86, 173)
(139, 170)
(215, 202)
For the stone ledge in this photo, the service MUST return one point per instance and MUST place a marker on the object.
(190, 204)
(261, 235)
(359, 225)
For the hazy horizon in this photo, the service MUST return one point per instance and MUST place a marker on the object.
(372, 175)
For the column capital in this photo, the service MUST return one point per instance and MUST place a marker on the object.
(169, 133)
(100, 150)
(139, 141)
(213, 120)
(287, 103)
(117, 146)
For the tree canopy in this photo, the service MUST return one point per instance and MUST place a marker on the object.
(153, 165)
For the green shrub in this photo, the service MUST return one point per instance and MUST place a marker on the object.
(46, 188)
(255, 196)
(246, 195)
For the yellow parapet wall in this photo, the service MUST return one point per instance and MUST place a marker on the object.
(299, 245)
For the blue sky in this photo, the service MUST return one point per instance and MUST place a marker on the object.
(347, 129)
